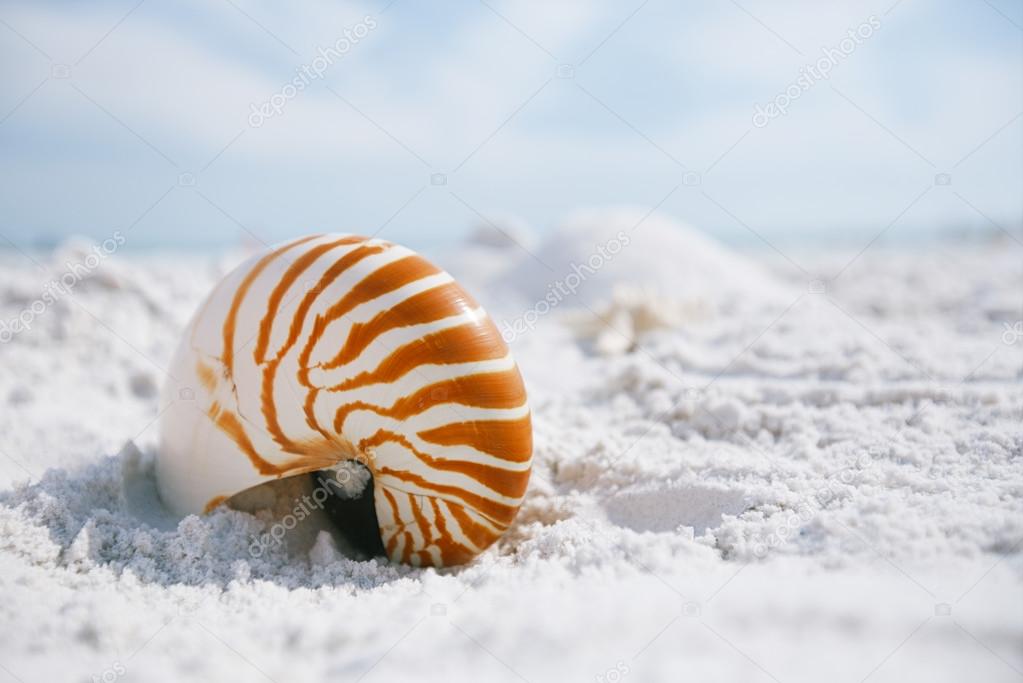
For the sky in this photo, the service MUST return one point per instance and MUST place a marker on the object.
(175, 124)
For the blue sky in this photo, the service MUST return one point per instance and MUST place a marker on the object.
(136, 117)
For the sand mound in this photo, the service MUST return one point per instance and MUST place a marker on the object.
(603, 250)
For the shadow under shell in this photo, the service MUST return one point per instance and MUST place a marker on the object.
(355, 518)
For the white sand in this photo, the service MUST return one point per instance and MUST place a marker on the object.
(756, 481)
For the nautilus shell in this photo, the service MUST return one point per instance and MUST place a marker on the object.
(337, 347)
